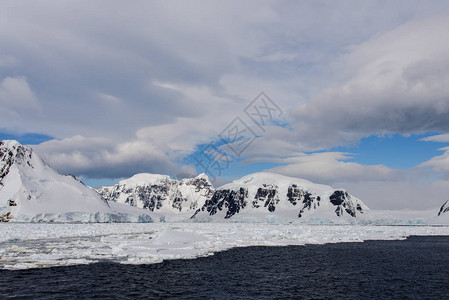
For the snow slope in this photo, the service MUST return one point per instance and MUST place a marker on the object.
(276, 198)
(31, 191)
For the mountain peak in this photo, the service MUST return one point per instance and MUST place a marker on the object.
(12, 152)
(11, 149)
(261, 178)
(143, 179)
(10, 144)
(202, 176)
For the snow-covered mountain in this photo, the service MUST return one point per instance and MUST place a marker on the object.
(273, 196)
(160, 193)
(256, 197)
(30, 190)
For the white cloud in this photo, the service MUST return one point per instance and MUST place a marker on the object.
(15, 94)
(100, 157)
(442, 138)
(331, 167)
(439, 164)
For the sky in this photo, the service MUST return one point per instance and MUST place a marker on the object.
(351, 94)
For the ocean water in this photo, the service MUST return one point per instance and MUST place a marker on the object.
(415, 268)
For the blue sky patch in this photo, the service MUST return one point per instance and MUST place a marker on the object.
(27, 138)
(394, 151)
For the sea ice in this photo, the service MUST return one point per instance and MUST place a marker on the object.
(44, 245)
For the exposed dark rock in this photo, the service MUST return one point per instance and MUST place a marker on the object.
(267, 194)
(444, 208)
(338, 197)
(5, 217)
(230, 200)
(343, 201)
(296, 196)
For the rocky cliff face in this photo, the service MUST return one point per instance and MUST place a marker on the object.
(230, 201)
(345, 203)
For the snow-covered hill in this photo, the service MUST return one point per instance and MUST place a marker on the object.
(268, 196)
(30, 190)
(160, 193)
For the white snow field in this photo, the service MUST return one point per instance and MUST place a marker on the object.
(25, 245)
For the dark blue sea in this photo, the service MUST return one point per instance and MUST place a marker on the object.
(416, 268)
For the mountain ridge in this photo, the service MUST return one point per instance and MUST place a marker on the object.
(260, 192)
(31, 191)
(266, 193)
(160, 193)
